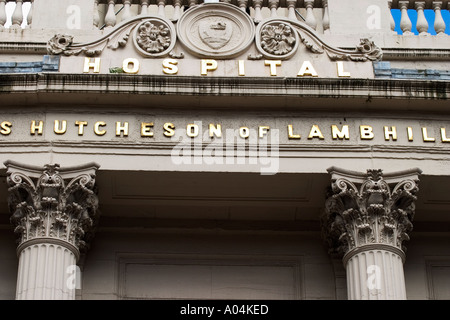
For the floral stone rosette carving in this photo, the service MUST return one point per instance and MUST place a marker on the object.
(49, 203)
(369, 209)
(154, 37)
(278, 39)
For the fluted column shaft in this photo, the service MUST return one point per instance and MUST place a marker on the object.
(44, 272)
(375, 274)
(367, 218)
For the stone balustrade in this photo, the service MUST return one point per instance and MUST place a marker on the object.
(315, 13)
(18, 16)
(422, 24)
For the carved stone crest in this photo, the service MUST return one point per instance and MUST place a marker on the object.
(215, 30)
(216, 33)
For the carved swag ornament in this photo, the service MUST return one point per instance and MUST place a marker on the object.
(52, 206)
(369, 210)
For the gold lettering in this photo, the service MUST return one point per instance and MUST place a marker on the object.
(244, 132)
(340, 70)
(263, 131)
(425, 136)
(169, 129)
(88, 65)
(81, 125)
(6, 128)
(146, 129)
(366, 132)
(390, 133)
(410, 134)
(121, 129)
(242, 67)
(34, 127)
(170, 66)
(60, 129)
(343, 134)
(315, 132)
(291, 134)
(97, 126)
(444, 136)
(273, 66)
(134, 65)
(192, 130)
(307, 69)
(215, 130)
(208, 65)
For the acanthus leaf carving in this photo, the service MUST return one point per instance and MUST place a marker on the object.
(369, 209)
(52, 204)
(145, 28)
(366, 50)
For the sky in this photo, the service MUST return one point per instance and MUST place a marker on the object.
(429, 14)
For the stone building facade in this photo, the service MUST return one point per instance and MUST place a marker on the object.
(264, 149)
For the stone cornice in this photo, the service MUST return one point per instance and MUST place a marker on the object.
(76, 88)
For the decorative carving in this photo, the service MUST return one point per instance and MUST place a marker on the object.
(154, 36)
(278, 40)
(53, 203)
(59, 43)
(369, 209)
(215, 30)
(267, 36)
(216, 33)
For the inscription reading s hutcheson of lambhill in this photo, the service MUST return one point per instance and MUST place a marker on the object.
(309, 132)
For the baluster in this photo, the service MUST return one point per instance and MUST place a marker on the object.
(291, 9)
(439, 23)
(17, 16)
(242, 4)
(144, 7)
(405, 22)
(3, 16)
(273, 5)
(126, 10)
(176, 10)
(326, 17)
(422, 24)
(392, 18)
(192, 3)
(110, 18)
(257, 6)
(30, 14)
(162, 8)
(310, 18)
(96, 19)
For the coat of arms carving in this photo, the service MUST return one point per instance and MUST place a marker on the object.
(215, 33)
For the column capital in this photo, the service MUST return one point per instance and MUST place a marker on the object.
(53, 204)
(369, 209)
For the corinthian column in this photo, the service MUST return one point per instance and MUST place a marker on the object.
(54, 211)
(367, 218)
